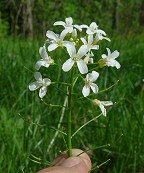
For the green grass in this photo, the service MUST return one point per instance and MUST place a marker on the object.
(27, 124)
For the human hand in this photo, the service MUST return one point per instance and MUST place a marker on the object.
(78, 163)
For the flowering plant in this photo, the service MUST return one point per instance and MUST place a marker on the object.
(79, 42)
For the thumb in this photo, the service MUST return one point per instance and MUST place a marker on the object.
(78, 163)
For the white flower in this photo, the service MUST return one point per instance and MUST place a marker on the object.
(109, 60)
(76, 58)
(92, 29)
(68, 25)
(90, 78)
(88, 58)
(46, 60)
(40, 83)
(90, 43)
(56, 40)
(102, 105)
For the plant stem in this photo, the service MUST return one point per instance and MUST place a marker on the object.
(69, 138)
(85, 125)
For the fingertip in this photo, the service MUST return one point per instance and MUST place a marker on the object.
(84, 156)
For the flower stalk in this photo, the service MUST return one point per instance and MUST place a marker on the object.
(80, 50)
(69, 138)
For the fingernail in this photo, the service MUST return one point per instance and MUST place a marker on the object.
(71, 161)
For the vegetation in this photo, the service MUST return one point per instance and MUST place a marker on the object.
(33, 17)
(28, 125)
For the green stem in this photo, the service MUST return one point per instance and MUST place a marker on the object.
(69, 139)
(85, 125)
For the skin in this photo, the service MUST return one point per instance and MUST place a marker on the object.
(78, 163)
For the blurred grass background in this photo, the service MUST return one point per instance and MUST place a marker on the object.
(27, 124)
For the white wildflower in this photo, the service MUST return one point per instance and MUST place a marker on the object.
(76, 58)
(102, 105)
(93, 29)
(109, 60)
(90, 43)
(56, 40)
(46, 60)
(68, 25)
(40, 83)
(90, 78)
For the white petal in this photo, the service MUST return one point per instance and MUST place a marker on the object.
(47, 81)
(94, 88)
(91, 54)
(91, 60)
(104, 56)
(86, 90)
(39, 64)
(90, 39)
(38, 76)
(106, 38)
(92, 76)
(63, 34)
(71, 50)
(52, 46)
(33, 86)
(113, 63)
(83, 26)
(82, 50)
(88, 31)
(110, 63)
(83, 40)
(51, 35)
(42, 92)
(117, 64)
(43, 52)
(93, 25)
(78, 27)
(109, 52)
(115, 54)
(66, 43)
(99, 31)
(69, 29)
(69, 21)
(102, 109)
(86, 59)
(107, 103)
(100, 36)
(68, 65)
(95, 76)
(95, 47)
(46, 64)
(82, 66)
(59, 23)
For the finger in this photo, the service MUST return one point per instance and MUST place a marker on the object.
(70, 165)
(78, 163)
(76, 153)
(84, 156)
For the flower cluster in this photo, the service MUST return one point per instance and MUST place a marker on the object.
(80, 50)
